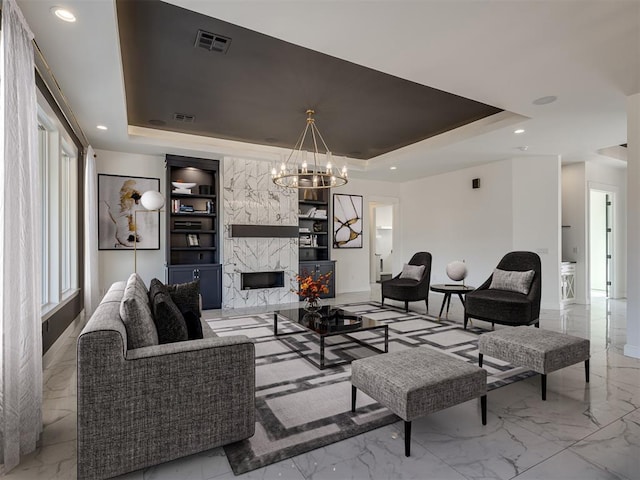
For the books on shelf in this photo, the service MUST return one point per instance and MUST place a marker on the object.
(184, 191)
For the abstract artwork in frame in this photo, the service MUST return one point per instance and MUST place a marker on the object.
(347, 221)
(121, 217)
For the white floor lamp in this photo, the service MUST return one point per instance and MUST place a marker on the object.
(152, 201)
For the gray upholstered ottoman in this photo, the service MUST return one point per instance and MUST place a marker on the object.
(418, 381)
(542, 351)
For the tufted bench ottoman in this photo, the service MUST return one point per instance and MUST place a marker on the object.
(418, 381)
(542, 351)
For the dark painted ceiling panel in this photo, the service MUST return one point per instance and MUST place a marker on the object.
(259, 90)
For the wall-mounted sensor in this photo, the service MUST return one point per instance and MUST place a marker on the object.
(475, 183)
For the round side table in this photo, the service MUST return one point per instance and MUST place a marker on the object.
(448, 289)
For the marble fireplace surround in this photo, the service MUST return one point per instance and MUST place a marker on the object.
(256, 213)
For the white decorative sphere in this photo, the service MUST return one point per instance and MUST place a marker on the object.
(457, 271)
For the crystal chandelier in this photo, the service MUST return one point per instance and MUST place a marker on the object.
(296, 172)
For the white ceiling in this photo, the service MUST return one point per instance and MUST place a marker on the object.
(506, 54)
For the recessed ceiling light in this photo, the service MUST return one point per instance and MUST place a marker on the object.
(519, 131)
(101, 127)
(393, 168)
(524, 148)
(545, 100)
(63, 14)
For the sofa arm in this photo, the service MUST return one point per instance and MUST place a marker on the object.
(164, 402)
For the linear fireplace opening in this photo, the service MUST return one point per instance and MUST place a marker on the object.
(253, 280)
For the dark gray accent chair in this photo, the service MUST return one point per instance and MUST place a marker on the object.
(506, 307)
(407, 290)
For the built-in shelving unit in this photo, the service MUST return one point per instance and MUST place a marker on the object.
(192, 233)
(314, 235)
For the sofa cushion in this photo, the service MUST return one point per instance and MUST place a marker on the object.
(186, 296)
(170, 323)
(512, 281)
(135, 313)
(412, 272)
(194, 325)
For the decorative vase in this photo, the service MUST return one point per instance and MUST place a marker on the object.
(311, 305)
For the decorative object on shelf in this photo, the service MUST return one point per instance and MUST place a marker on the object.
(310, 289)
(347, 221)
(182, 187)
(317, 227)
(205, 189)
(457, 270)
(295, 172)
(193, 239)
(119, 198)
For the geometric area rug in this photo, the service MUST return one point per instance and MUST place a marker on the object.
(300, 408)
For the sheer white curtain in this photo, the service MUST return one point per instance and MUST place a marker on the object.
(20, 240)
(91, 295)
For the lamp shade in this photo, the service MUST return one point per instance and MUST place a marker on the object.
(152, 200)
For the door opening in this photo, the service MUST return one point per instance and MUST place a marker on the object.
(601, 243)
(382, 241)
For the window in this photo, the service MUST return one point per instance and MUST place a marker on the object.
(59, 203)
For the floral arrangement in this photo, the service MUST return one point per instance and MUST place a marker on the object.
(311, 288)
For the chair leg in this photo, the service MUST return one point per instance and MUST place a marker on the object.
(382, 301)
(586, 370)
(493, 326)
(543, 381)
(537, 324)
(483, 407)
(466, 320)
(426, 301)
(354, 391)
(407, 438)
(406, 307)
(480, 355)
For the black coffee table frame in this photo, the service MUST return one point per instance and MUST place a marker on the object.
(332, 322)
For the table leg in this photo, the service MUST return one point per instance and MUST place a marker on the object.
(444, 301)
(448, 303)
(386, 339)
(321, 353)
(461, 299)
(275, 324)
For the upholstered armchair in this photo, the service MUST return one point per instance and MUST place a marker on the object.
(511, 295)
(408, 287)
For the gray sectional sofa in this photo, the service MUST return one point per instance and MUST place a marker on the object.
(144, 406)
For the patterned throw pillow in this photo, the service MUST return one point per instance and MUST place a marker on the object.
(168, 319)
(194, 327)
(189, 309)
(512, 281)
(414, 272)
(136, 314)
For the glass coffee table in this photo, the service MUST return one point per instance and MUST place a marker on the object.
(329, 322)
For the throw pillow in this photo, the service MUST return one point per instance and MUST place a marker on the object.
(194, 327)
(155, 287)
(186, 296)
(169, 321)
(414, 272)
(136, 315)
(512, 281)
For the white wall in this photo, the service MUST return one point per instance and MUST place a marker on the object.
(517, 207)
(117, 265)
(536, 218)
(352, 264)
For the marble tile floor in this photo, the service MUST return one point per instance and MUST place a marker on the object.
(582, 431)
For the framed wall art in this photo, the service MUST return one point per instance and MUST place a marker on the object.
(347, 221)
(121, 218)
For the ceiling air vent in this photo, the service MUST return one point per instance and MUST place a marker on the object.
(184, 118)
(212, 41)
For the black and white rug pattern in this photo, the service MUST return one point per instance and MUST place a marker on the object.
(300, 407)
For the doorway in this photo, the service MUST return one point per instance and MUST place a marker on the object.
(382, 242)
(601, 243)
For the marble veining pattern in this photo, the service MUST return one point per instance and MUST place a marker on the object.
(581, 432)
(251, 198)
